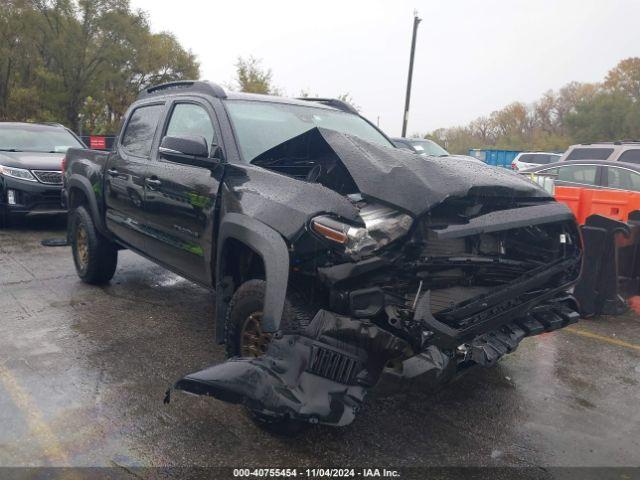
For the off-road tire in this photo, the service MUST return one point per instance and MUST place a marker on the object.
(94, 256)
(247, 299)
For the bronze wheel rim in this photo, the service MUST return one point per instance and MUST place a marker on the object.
(253, 341)
(82, 246)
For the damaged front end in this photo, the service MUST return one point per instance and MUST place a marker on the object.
(444, 270)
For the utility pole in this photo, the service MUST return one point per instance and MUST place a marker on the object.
(405, 119)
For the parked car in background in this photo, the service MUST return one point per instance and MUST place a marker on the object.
(593, 174)
(526, 160)
(623, 151)
(421, 146)
(589, 187)
(30, 167)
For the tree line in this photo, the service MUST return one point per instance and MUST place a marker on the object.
(81, 62)
(576, 113)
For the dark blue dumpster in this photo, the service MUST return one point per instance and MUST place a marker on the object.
(498, 158)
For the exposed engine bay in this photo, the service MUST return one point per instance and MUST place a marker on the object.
(447, 266)
(468, 278)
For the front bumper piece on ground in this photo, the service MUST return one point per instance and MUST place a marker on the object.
(323, 374)
(320, 376)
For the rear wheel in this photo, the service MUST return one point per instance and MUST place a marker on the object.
(94, 256)
(244, 337)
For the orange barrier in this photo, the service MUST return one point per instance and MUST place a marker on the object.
(616, 204)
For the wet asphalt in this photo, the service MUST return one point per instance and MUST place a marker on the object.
(83, 371)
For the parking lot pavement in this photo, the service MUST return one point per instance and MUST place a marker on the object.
(83, 371)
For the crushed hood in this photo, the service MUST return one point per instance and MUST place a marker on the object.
(394, 176)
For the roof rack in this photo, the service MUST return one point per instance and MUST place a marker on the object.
(51, 124)
(332, 102)
(186, 86)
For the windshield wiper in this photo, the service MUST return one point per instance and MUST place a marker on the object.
(9, 150)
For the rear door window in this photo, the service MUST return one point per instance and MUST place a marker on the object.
(623, 179)
(590, 154)
(630, 156)
(141, 128)
(580, 174)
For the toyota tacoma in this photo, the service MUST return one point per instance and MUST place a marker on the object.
(335, 257)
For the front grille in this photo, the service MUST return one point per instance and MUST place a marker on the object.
(51, 177)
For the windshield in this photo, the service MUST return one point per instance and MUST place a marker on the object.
(261, 126)
(36, 138)
(427, 147)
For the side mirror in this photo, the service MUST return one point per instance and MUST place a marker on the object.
(190, 150)
(192, 146)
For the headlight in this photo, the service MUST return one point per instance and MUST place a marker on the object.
(383, 225)
(20, 173)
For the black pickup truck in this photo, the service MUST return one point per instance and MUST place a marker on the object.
(334, 256)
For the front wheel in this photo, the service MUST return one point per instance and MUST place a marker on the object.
(244, 337)
(94, 256)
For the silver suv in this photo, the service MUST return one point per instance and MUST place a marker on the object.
(627, 151)
(526, 160)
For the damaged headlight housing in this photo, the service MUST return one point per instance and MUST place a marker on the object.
(383, 225)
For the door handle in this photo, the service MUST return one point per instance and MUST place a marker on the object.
(113, 172)
(152, 182)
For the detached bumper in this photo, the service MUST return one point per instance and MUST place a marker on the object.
(323, 375)
(29, 197)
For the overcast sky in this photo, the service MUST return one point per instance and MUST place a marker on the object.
(472, 56)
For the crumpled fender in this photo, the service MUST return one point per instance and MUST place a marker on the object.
(284, 203)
